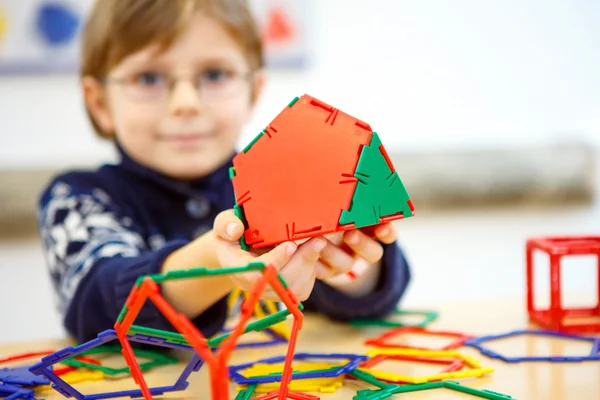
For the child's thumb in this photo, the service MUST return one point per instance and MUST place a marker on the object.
(228, 226)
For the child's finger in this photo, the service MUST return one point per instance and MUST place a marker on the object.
(324, 271)
(364, 246)
(386, 233)
(305, 283)
(228, 226)
(337, 258)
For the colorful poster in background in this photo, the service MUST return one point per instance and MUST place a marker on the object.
(42, 36)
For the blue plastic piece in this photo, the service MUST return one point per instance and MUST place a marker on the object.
(14, 392)
(593, 356)
(44, 368)
(355, 360)
(21, 376)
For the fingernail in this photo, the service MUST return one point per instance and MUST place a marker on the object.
(232, 229)
(290, 249)
(319, 245)
(353, 239)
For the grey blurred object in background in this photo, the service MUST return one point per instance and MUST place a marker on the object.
(553, 175)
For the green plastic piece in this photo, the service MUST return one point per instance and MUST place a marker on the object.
(122, 314)
(253, 141)
(156, 359)
(370, 394)
(239, 212)
(259, 325)
(247, 393)
(379, 192)
(370, 379)
(169, 337)
(293, 101)
(231, 172)
(484, 394)
(430, 316)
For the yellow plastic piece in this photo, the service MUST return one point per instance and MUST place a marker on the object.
(322, 385)
(77, 376)
(474, 370)
(280, 329)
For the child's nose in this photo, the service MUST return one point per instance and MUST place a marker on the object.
(185, 100)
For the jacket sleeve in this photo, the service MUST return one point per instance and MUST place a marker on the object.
(393, 281)
(94, 255)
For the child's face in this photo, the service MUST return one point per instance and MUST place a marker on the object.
(183, 132)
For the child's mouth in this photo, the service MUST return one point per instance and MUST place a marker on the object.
(186, 139)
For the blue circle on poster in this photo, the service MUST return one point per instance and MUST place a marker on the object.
(57, 23)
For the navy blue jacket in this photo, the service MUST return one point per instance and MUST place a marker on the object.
(102, 229)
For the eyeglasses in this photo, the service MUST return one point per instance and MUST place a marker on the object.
(151, 86)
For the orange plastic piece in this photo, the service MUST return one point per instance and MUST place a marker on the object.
(306, 140)
(217, 363)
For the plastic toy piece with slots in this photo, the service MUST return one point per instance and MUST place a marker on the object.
(554, 317)
(320, 384)
(474, 367)
(10, 392)
(75, 376)
(453, 365)
(383, 340)
(386, 393)
(24, 371)
(147, 288)
(429, 317)
(22, 377)
(63, 387)
(314, 170)
(353, 361)
(479, 343)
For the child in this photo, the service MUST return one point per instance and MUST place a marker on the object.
(172, 83)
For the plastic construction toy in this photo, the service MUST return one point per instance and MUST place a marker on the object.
(428, 317)
(11, 392)
(322, 384)
(385, 393)
(275, 339)
(453, 365)
(22, 377)
(353, 360)
(383, 340)
(479, 343)
(474, 367)
(314, 170)
(554, 318)
(76, 376)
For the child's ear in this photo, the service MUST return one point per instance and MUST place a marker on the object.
(96, 102)
(257, 86)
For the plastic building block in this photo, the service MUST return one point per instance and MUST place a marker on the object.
(383, 340)
(452, 364)
(76, 376)
(322, 385)
(15, 392)
(353, 361)
(275, 340)
(474, 367)
(297, 176)
(429, 317)
(369, 394)
(379, 192)
(147, 288)
(21, 376)
(479, 343)
(68, 368)
(25, 356)
(247, 393)
(156, 359)
(62, 386)
(554, 318)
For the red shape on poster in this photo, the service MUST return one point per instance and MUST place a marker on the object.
(279, 26)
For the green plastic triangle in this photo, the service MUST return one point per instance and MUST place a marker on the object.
(379, 192)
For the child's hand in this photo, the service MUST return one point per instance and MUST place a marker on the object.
(295, 263)
(339, 256)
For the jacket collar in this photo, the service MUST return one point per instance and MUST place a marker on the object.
(198, 187)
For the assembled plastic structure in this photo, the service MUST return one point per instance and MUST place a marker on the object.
(314, 170)
(554, 318)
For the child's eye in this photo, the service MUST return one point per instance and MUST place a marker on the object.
(150, 79)
(215, 75)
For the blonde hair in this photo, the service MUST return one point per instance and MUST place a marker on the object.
(116, 29)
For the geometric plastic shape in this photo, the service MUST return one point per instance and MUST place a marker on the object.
(44, 368)
(478, 343)
(369, 394)
(247, 393)
(15, 392)
(21, 376)
(275, 340)
(156, 359)
(295, 178)
(474, 367)
(353, 360)
(429, 317)
(146, 288)
(322, 385)
(381, 341)
(380, 193)
(75, 376)
(554, 318)
(452, 364)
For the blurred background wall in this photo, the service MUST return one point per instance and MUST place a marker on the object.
(479, 104)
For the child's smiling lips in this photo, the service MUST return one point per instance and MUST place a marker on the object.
(186, 139)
